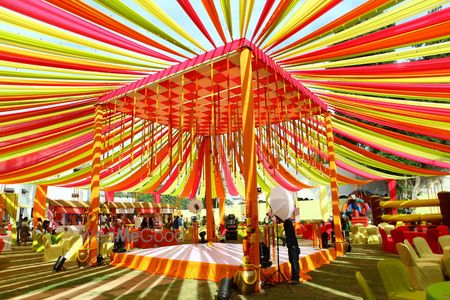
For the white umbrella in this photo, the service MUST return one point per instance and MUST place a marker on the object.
(281, 202)
(195, 206)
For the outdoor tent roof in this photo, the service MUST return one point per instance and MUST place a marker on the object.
(138, 205)
(211, 81)
(68, 203)
(380, 67)
(85, 204)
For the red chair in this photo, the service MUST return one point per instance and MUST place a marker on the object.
(403, 228)
(387, 244)
(326, 228)
(443, 230)
(397, 237)
(421, 228)
(433, 240)
(307, 233)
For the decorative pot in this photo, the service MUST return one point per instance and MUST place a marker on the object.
(246, 279)
(82, 257)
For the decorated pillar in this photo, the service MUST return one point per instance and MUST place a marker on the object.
(334, 187)
(40, 202)
(208, 192)
(251, 244)
(91, 242)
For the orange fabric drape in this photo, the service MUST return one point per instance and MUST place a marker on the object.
(334, 187)
(249, 171)
(214, 16)
(196, 168)
(40, 201)
(94, 205)
(220, 190)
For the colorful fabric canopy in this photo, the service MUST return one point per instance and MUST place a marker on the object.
(167, 76)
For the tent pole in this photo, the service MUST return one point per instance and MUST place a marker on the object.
(92, 223)
(251, 247)
(334, 187)
(208, 192)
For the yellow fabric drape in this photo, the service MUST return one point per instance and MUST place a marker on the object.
(401, 12)
(158, 13)
(11, 202)
(40, 200)
(208, 192)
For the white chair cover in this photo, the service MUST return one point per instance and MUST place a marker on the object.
(444, 241)
(422, 274)
(424, 249)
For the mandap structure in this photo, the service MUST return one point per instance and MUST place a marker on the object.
(208, 98)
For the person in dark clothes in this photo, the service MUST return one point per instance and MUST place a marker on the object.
(176, 223)
(293, 248)
(144, 223)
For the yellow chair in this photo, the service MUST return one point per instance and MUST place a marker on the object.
(366, 290)
(187, 239)
(66, 241)
(372, 235)
(75, 243)
(51, 252)
(106, 244)
(38, 243)
(396, 282)
(356, 237)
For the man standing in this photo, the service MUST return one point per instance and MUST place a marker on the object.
(293, 250)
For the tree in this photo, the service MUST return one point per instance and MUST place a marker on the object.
(165, 199)
(432, 43)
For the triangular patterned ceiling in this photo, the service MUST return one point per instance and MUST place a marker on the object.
(207, 88)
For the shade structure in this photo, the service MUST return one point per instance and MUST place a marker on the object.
(205, 92)
(67, 203)
(138, 205)
(169, 117)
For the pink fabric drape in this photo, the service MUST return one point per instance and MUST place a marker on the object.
(157, 197)
(109, 196)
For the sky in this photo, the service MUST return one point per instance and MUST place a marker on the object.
(172, 8)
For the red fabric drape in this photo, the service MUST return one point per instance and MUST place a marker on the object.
(392, 192)
(109, 196)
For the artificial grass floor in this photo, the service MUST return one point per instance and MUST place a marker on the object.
(23, 275)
